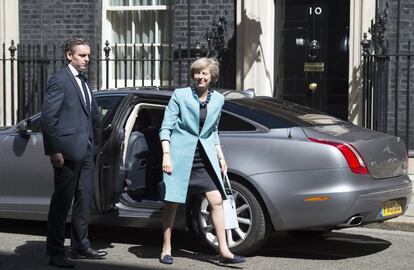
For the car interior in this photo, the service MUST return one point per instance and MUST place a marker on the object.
(142, 157)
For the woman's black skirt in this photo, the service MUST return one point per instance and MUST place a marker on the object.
(202, 173)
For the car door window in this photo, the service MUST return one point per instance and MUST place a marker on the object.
(107, 104)
(229, 122)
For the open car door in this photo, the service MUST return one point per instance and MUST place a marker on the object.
(108, 184)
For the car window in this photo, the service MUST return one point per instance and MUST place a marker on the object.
(229, 122)
(255, 112)
(277, 113)
(107, 104)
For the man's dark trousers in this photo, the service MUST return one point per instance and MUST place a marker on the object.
(73, 180)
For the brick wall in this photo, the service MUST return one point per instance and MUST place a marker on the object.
(400, 82)
(50, 22)
(202, 13)
(46, 22)
(53, 21)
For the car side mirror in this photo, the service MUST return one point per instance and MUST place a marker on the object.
(23, 128)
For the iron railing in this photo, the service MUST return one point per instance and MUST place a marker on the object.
(388, 87)
(25, 69)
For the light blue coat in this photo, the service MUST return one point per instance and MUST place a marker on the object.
(181, 127)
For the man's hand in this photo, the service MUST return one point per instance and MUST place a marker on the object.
(57, 160)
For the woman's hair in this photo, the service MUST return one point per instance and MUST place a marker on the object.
(206, 63)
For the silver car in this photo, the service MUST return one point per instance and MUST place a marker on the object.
(292, 169)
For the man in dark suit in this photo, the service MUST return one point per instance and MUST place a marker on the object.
(71, 134)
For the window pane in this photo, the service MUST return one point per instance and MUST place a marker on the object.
(120, 54)
(121, 26)
(165, 63)
(142, 2)
(161, 2)
(144, 26)
(119, 2)
(139, 29)
(106, 104)
(144, 65)
(229, 122)
(163, 20)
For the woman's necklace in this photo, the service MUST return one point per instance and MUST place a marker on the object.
(204, 103)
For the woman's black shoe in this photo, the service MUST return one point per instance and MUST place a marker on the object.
(235, 260)
(167, 259)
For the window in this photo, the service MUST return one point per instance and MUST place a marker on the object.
(229, 122)
(106, 105)
(139, 33)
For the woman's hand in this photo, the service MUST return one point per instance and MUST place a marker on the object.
(223, 165)
(166, 163)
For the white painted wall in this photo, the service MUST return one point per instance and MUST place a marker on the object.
(9, 30)
(255, 46)
(361, 14)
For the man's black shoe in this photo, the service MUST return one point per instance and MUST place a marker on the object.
(60, 260)
(88, 253)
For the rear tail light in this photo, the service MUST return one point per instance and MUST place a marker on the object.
(354, 159)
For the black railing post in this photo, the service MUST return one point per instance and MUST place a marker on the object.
(134, 61)
(170, 64)
(12, 50)
(98, 65)
(142, 64)
(366, 44)
(179, 63)
(161, 60)
(116, 65)
(198, 49)
(125, 65)
(44, 75)
(107, 50)
(4, 87)
(397, 63)
(20, 93)
(152, 63)
(407, 128)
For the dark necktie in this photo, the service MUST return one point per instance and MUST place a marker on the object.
(85, 91)
(88, 106)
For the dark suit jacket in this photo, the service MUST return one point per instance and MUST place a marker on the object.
(64, 119)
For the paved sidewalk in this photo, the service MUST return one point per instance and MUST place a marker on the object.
(408, 217)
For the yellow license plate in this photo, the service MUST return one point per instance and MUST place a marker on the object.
(390, 208)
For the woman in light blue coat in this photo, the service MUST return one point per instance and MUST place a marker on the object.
(193, 160)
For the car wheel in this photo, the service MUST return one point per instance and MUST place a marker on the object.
(253, 228)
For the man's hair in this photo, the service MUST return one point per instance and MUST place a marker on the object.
(70, 44)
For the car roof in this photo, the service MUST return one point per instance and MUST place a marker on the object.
(163, 92)
(292, 113)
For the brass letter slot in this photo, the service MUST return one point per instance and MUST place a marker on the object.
(314, 67)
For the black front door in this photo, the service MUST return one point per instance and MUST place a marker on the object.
(315, 54)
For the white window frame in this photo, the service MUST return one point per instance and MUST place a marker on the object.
(107, 35)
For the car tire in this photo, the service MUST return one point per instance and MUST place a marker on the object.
(254, 228)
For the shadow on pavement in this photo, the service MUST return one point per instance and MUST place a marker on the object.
(32, 256)
(332, 246)
(146, 244)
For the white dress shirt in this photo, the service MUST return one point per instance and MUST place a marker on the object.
(78, 80)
